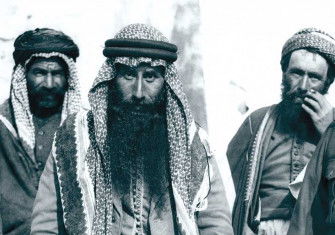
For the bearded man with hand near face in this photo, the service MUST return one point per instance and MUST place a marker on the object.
(269, 152)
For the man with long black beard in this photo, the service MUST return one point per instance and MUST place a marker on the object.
(269, 152)
(137, 130)
(136, 163)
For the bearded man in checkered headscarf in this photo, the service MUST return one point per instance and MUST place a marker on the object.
(269, 153)
(44, 91)
(139, 163)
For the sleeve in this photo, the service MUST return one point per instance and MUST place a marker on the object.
(0, 222)
(329, 175)
(216, 218)
(237, 150)
(239, 145)
(331, 197)
(47, 212)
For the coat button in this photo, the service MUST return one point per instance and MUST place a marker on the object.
(39, 164)
(113, 219)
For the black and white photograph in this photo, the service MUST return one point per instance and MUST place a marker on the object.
(167, 117)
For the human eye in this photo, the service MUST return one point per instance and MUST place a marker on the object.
(129, 76)
(315, 77)
(39, 72)
(149, 76)
(58, 74)
(296, 73)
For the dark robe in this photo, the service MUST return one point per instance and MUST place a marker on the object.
(18, 180)
(313, 213)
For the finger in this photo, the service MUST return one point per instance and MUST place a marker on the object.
(313, 94)
(309, 111)
(313, 104)
(321, 99)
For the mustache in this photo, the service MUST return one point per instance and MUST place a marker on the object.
(47, 91)
(135, 119)
(138, 106)
(297, 93)
(291, 94)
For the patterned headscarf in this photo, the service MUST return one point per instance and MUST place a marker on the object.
(20, 103)
(178, 117)
(43, 43)
(312, 38)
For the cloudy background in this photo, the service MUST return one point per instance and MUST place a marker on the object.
(229, 50)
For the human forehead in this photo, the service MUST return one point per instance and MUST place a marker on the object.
(142, 67)
(48, 64)
(308, 60)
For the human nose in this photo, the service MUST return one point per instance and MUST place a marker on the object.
(304, 84)
(139, 87)
(49, 81)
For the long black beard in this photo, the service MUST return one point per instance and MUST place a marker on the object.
(293, 118)
(133, 136)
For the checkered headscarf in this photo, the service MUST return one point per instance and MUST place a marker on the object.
(178, 117)
(19, 99)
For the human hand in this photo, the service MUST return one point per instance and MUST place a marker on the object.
(319, 109)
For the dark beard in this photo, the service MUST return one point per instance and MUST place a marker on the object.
(138, 137)
(292, 117)
(39, 100)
